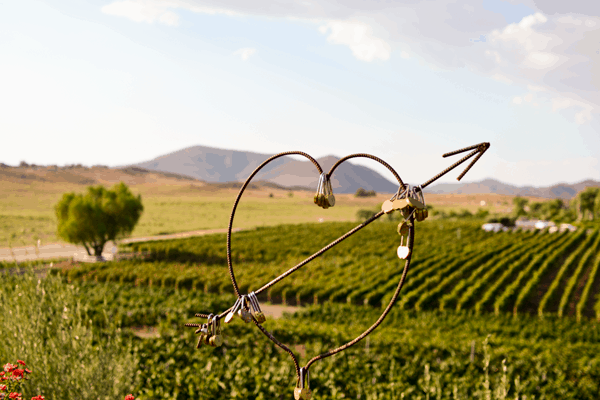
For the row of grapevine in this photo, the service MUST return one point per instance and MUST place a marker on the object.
(592, 277)
(480, 270)
(575, 277)
(566, 266)
(469, 287)
(561, 252)
(513, 288)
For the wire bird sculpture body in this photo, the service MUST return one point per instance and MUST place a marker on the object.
(409, 201)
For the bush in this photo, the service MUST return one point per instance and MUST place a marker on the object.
(365, 193)
(43, 323)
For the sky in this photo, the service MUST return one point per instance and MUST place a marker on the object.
(119, 82)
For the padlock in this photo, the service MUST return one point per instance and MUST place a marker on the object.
(411, 201)
(302, 390)
(254, 304)
(245, 315)
(330, 196)
(216, 339)
(387, 206)
(420, 216)
(260, 317)
(403, 251)
(406, 212)
(200, 341)
(425, 213)
(302, 394)
(403, 228)
(234, 310)
(400, 204)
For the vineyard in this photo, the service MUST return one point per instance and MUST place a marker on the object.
(455, 266)
(92, 349)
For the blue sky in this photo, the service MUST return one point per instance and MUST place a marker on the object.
(118, 82)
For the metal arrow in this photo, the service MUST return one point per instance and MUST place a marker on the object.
(478, 149)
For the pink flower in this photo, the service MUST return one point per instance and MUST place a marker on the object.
(2, 387)
(21, 362)
(128, 397)
(14, 395)
(40, 397)
(8, 367)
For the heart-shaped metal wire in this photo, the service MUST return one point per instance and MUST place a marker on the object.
(302, 373)
(315, 255)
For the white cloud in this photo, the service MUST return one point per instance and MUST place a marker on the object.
(359, 37)
(244, 53)
(557, 47)
(535, 88)
(501, 78)
(517, 100)
(142, 11)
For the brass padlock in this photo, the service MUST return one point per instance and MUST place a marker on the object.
(330, 197)
(425, 213)
(411, 201)
(254, 304)
(216, 341)
(419, 215)
(245, 315)
(406, 212)
(387, 206)
(400, 204)
(302, 390)
(403, 228)
(200, 341)
(260, 317)
(302, 394)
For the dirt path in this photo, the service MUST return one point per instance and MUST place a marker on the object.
(64, 250)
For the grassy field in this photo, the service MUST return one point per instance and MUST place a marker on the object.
(170, 206)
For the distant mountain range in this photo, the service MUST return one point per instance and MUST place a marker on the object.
(227, 168)
(219, 165)
(564, 191)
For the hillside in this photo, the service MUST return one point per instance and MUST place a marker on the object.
(219, 165)
(563, 191)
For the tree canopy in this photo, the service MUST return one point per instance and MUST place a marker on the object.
(99, 215)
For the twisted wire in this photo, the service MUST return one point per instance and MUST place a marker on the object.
(318, 253)
(239, 196)
(351, 343)
(372, 157)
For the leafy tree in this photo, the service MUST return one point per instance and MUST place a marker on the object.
(98, 216)
(519, 203)
(587, 202)
(553, 209)
(360, 192)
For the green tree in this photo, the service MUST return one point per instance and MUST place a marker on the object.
(587, 199)
(519, 203)
(553, 209)
(98, 216)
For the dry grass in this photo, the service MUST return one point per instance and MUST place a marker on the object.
(178, 204)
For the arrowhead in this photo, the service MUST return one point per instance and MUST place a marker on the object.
(478, 148)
